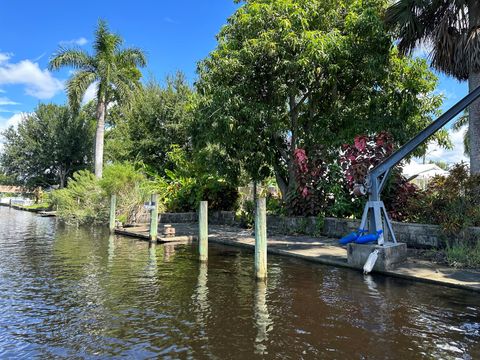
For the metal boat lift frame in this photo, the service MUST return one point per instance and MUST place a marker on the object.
(375, 213)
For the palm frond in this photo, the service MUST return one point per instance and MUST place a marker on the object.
(131, 57)
(461, 122)
(76, 58)
(76, 87)
(106, 42)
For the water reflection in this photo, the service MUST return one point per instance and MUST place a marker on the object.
(168, 252)
(262, 318)
(200, 297)
(80, 293)
(152, 262)
(111, 249)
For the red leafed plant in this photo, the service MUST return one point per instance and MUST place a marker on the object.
(364, 154)
(311, 177)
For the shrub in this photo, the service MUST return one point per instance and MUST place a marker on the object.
(130, 184)
(451, 201)
(463, 254)
(82, 201)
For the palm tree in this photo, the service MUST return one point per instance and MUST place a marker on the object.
(452, 29)
(459, 125)
(114, 71)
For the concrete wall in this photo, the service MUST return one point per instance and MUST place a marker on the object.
(414, 235)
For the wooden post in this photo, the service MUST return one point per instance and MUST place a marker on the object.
(153, 218)
(113, 205)
(261, 239)
(203, 231)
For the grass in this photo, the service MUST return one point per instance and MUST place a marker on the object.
(463, 254)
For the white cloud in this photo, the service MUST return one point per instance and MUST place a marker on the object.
(4, 57)
(436, 153)
(90, 94)
(80, 42)
(38, 83)
(422, 50)
(7, 101)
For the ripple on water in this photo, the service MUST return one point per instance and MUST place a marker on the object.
(75, 292)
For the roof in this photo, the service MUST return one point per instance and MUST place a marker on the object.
(11, 189)
(423, 170)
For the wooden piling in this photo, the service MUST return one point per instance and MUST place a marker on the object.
(261, 240)
(203, 231)
(153, 218)
(113, 205)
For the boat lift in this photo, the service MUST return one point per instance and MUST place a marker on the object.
(375, 212)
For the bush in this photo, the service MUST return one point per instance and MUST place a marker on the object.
(82, 201)
(86, 199)
(463, 254)
(185, 195)
(451, 201)
(132, 187)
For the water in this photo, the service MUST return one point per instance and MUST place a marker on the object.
(78, 293)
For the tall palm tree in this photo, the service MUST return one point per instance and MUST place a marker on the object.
(452, 29)
(114, 71)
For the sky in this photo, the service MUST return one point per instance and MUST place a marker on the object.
(174, 34)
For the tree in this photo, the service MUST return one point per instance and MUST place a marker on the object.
(47, 146)
(307, 74)
(114, 71)
(156, 118)
(451, 28)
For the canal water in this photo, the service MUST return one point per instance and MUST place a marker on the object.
(69, 292)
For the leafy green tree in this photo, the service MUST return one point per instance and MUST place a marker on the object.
(114, 71)
(451, 29)
(47, 146)
(307, 74)
(156, 118)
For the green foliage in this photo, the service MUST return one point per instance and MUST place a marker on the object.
(47, 146)
(120, 177)
(129, 182)
(156, 118)
(246, 214)
(185, 186)
(82, 201)
(113, 70)
(451, 201)
(86, 198)
(307, 74)
(463, 254)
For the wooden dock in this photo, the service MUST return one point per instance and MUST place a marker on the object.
(143, 232)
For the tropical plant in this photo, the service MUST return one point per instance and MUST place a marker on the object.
(460, 125)
(113, 70)
(156, 118)
(47, 146)
(293, 74)
(452, 30)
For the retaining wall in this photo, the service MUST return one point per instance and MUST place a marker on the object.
(414, 235)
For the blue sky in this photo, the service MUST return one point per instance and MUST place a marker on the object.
(174, 34)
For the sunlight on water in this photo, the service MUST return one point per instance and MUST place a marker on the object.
(77, 292)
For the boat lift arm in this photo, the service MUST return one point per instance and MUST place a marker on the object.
(376, 177)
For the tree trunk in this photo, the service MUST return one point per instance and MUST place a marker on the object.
(474, 125)
(99, 138)
(474, 110)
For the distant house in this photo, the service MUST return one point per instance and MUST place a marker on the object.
(420, 174)
(6, 189)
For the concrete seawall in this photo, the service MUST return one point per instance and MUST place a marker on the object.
(414, 235)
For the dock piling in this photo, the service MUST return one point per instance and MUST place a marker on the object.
(203, 231)
(153, 218)
(261, 240)
(113, 205)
